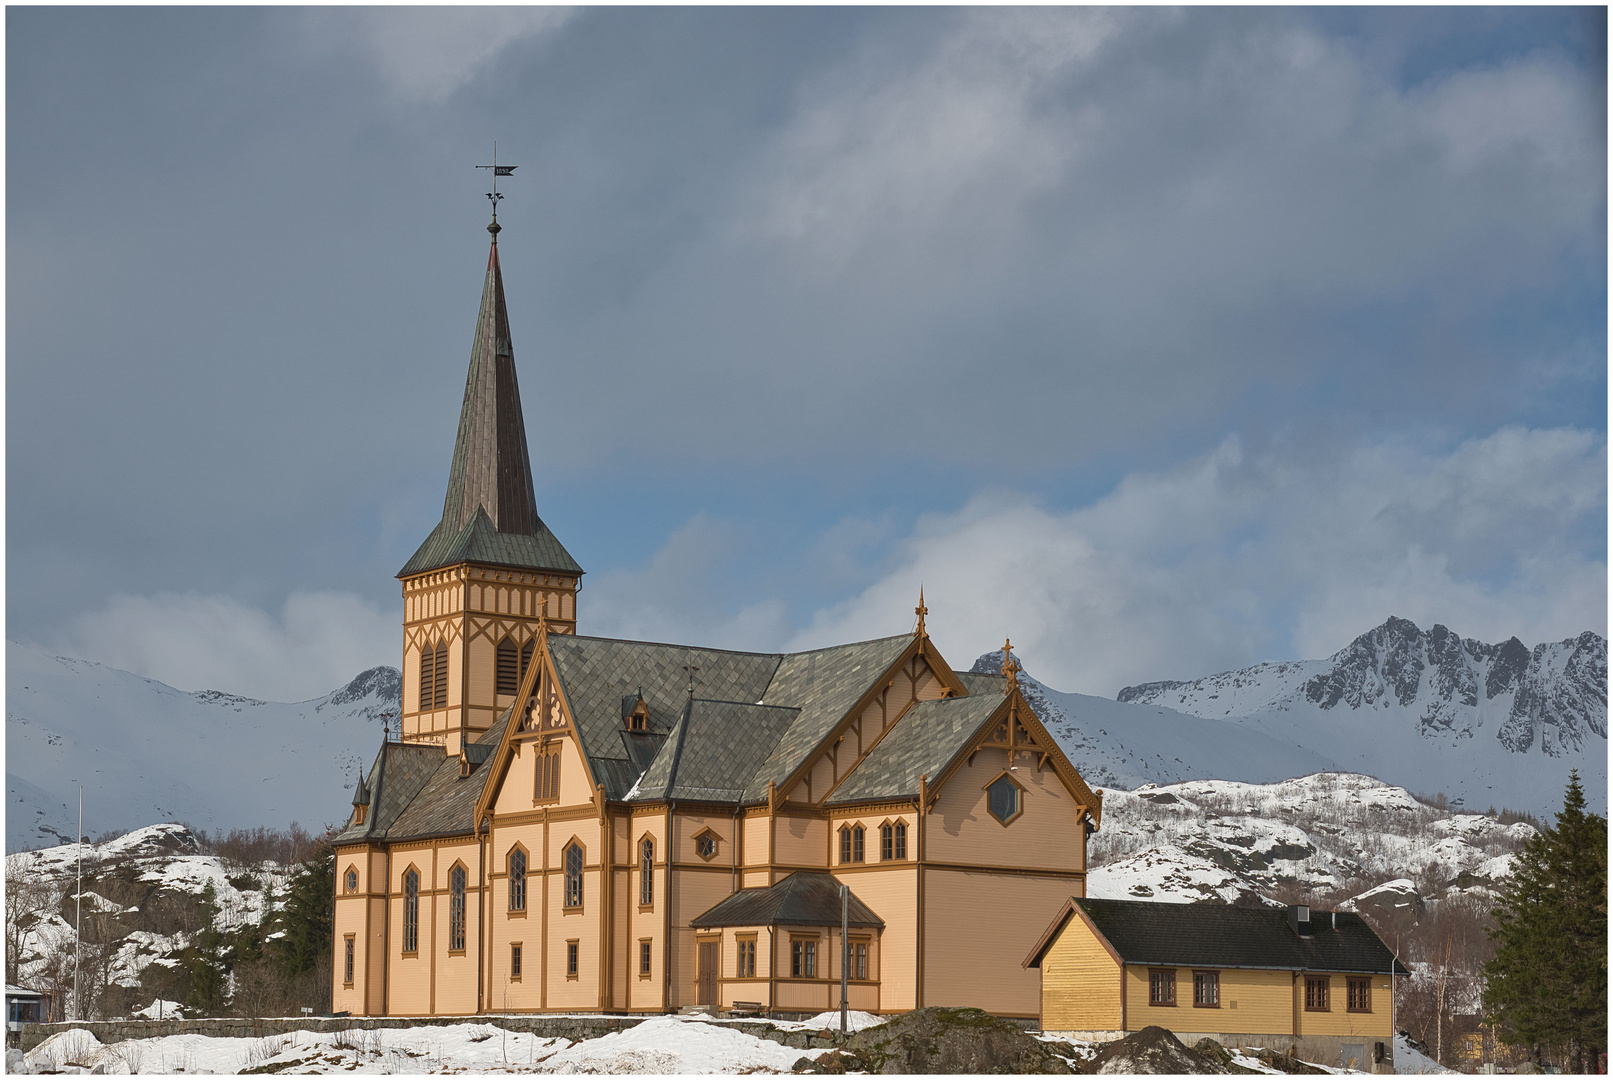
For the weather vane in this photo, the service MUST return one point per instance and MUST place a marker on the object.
(498, 171)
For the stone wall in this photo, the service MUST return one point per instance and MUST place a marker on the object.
(575, 1028)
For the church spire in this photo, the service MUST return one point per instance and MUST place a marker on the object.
(491, 468)
(490, 513)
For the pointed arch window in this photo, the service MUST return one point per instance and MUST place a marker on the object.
(646, 873)
(900, 840)
(573, 867)
(517, 880)
(456, 909)
(411, 912)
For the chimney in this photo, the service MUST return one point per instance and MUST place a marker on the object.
(1299, 918)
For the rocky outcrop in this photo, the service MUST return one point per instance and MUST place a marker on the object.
(938, 1040)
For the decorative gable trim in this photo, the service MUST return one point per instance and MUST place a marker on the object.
(920, 647)
(1013, 726)
(540, 675)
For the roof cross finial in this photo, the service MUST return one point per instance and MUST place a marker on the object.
(691, 667)
(493, 196)
(920, 611)
(1010, 666)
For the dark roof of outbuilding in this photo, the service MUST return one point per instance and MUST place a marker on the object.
(1223, 936)
(922, 743)
(802, 899)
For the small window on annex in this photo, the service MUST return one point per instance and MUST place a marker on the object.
(571, 959)
(347, 963)
(644, 958)
(804, 958)
(1002, 799)
(515, 961)
(745, 967)
(859, 960)
(351, 880)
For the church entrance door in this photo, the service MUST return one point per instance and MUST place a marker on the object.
(708, 973)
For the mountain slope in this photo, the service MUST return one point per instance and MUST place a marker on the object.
(146, 752)
(1490, 725)
(1122, 745)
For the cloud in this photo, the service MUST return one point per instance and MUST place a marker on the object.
(685, 594)
(424, 54)
(1237, 557)
(315, 644)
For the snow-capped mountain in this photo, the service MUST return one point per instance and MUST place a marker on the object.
(1122, 745)
(1350, 838)
(146, 752)
(1490, 725)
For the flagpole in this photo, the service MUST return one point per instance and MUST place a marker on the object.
(78, 918)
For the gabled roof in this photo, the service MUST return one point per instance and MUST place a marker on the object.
(824, 684)
(923, 743)
(399, 772)
(728, 740)
(1223, 936)
(490, 513)
(802, 899)
(597, 673)
(417, 790)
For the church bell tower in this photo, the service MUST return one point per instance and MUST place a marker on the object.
(475, 592)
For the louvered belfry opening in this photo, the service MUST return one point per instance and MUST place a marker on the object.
(428, 676)
(508, 667)
(439, 697)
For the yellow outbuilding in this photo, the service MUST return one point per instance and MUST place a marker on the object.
(1319, 985)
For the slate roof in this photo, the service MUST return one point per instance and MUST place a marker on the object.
(416, 790)
(824, 684)
(490, 513)
(399, 772)
(597, 673)
(713, 750)
(1223, 936)
(926, 739)
(802, 899)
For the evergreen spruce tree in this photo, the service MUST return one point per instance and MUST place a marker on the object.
(1547, 986)
(309, 914)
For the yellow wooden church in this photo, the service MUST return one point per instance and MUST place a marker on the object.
(571, 823)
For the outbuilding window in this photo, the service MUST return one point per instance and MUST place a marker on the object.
(1316, 993)
(1358, 995)
(1207, 989)
(1161, 986)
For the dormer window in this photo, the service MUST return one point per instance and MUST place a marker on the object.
(358, 814)
(635, 713)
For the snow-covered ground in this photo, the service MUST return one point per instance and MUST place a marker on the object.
(665, 1045)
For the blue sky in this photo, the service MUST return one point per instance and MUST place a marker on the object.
(1164, 341)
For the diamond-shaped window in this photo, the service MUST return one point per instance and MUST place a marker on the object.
(1003, 799)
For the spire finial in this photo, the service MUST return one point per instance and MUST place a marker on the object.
(493, 196)
(1010, 666)
(920, 611)
(691, 667)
